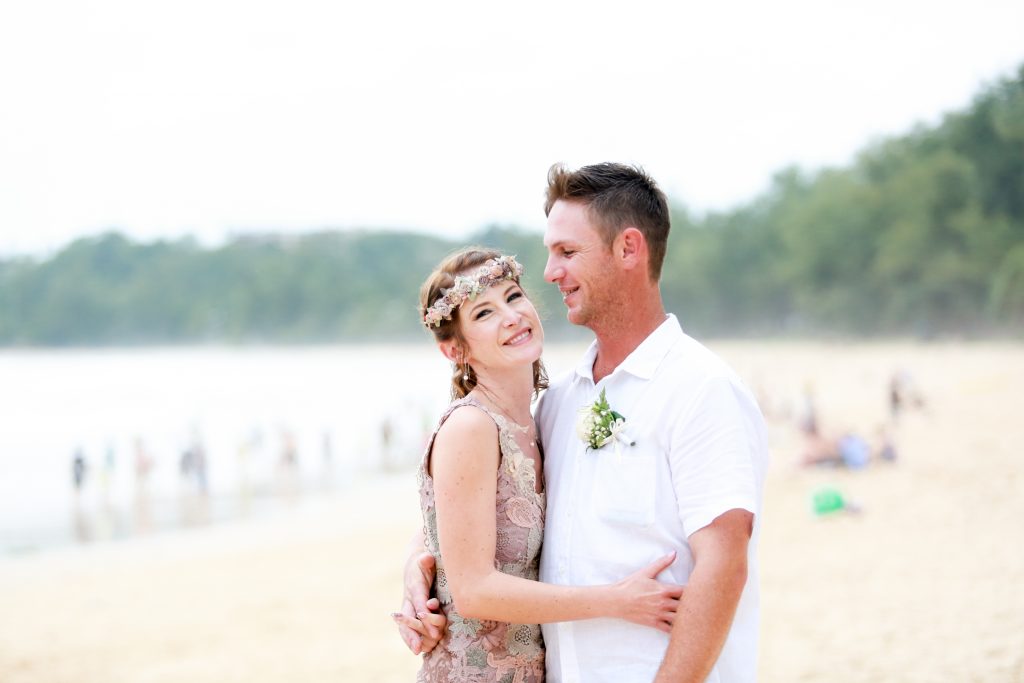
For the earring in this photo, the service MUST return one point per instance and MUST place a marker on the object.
(465, 372)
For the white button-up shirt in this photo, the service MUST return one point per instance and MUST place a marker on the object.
(700, 450)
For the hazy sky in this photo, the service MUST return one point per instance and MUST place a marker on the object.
(162, 119)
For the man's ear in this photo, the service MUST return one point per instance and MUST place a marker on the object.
(631, 248)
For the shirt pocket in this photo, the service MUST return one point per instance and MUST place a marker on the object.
(624, 486)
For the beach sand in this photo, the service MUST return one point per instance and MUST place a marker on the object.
(925, 584)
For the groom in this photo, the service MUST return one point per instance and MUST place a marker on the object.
(688, 476)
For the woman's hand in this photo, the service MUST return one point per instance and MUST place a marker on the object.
(420, 634)
(642, 599)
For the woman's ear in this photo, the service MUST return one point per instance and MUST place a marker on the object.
(451, 350)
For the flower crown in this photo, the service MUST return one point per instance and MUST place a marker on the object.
(470, 286)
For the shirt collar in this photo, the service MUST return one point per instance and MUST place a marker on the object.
(585, 368)
(644, 359)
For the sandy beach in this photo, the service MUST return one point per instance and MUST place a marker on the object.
(925, 584)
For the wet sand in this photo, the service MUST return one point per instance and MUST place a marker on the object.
(925, 584)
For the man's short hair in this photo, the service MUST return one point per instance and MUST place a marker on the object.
(617, 196)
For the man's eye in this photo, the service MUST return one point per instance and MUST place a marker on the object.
(568, 252)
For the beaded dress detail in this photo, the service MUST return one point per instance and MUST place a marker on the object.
(480, 650)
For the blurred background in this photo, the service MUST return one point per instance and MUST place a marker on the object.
(214, 388)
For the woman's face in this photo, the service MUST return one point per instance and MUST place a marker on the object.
(501, 328)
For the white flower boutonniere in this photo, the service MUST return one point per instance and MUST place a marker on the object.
(598, 425)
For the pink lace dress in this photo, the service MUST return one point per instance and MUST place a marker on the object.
(479, 650)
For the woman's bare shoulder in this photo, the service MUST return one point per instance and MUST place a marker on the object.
(467, 422)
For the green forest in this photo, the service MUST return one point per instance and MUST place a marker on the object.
(920, 235)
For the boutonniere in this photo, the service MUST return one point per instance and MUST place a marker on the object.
(598, 425)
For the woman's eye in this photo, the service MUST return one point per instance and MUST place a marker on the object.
(514, 295)
(481, 313)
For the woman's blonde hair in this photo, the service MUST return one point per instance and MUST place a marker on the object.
(443, 278)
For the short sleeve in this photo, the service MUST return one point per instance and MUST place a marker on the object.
(712, 458)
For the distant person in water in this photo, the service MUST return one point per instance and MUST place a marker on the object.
(78, 469)
(143, 463)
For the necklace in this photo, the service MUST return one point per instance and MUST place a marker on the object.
(501, 410)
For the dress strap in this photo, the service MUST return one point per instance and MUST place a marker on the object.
(452, 407)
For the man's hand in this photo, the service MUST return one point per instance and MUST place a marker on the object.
(419, 622)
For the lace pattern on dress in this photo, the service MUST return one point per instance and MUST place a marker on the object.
(484, 651)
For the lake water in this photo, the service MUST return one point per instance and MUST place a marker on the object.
(274, 425)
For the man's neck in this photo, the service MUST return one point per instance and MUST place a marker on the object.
(618, 338)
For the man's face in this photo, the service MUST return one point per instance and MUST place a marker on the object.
(579, 263)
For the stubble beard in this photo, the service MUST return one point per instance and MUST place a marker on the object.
(593, 309)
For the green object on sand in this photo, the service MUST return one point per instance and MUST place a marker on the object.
(827, 500)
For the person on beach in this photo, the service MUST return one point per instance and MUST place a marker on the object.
(482, 493)
(680, 467)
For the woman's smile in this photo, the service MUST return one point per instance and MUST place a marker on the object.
(520, 338)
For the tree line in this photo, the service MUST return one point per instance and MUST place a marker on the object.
(921, 234)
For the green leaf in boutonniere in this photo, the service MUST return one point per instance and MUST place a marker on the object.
(598, 425)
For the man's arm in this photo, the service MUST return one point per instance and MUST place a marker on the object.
(708, 604)
(418, 621)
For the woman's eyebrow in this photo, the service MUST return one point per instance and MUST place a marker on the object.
(478, 304)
